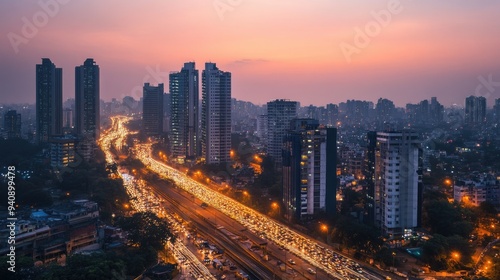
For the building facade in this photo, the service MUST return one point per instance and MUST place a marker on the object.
(309, 170)
(262, 129)
(475, 110)
(369, 178)
(48, 101)
(279, 114)
(216, 115)
(87, 100)
(184, 96)
(12, 124)
(62, 151)
(152, 110)
(397, 195)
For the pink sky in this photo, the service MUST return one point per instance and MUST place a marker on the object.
(274, 48)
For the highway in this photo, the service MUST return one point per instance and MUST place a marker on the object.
(265, 227)
(316, 254)
(211, 221)
(115, 136)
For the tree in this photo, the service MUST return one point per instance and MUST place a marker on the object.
(355, 235)
(82, 267)
(146, 229)
(487, 209)
(439, 216)
(434, 252)
(24, 268)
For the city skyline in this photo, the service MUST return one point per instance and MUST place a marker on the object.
(296, 50)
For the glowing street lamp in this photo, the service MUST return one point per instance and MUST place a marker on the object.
(324, 228)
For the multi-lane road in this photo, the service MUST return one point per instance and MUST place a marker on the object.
(310, 255)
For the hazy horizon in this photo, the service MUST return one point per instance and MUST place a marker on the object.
(309, 52)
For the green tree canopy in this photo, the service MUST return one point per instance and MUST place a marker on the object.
(146, 229)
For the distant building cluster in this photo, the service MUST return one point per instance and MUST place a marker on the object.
(476, 189)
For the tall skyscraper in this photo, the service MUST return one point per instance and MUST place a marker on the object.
(87, 100)
(496, 110)
(436, 110)
(279, 114)
(216, 114)
(309, 170)
(397, 184)
(152, 110)
(184, 95)
(332, 114)
(475, 110)
(48, 101)
(12, 124)
(167, 112)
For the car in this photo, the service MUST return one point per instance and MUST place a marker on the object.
(311, 271)
(291, 261)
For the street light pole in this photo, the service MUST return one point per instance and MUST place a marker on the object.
(393, 259)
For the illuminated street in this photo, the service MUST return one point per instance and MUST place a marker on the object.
(145, 201)
(299, 245)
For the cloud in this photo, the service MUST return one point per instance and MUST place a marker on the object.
(247, 61)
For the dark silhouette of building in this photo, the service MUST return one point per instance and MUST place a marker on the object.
(332, 114)
(279, 114)
(356, 112)
(309, 170)
(12, 124)
(496, 110)
(152, 110)
(425, 113)
(216, 115)
(436, 111)
(87, 100)
(184, 95)
(48, 101)
(385, 111)
(167, 112)
(369, 181)
(475, 110)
